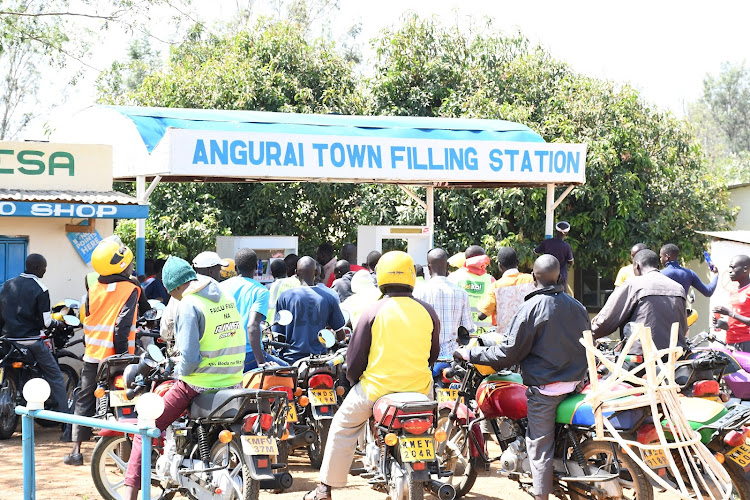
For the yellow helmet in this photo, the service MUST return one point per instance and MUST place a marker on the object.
(229, 270)
(396, 268)
(111, 257)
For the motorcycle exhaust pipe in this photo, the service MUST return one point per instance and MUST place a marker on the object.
(441, 490)
(280, 481)
(302, 439)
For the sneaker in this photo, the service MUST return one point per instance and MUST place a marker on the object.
(73, 459)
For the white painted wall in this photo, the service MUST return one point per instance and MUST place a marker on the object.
(46, 235)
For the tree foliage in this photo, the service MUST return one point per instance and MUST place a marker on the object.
(647, 178)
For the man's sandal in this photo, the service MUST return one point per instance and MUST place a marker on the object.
(316, 494)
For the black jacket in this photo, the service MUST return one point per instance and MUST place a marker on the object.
(544, 338)
(24, 307)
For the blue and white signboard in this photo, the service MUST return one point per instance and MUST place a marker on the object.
(279, 156)
(71, 210)
(84, 243)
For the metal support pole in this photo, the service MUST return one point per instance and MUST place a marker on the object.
(145, 466)
(431, 214)
(140, 228)
(550, 220)
(29, 474)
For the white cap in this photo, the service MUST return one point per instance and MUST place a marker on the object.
(208, 259)
(563, 227)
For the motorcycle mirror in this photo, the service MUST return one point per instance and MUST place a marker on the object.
(72, 303)
(327, 338)
(156, 304)
(152, 315)
(71, 320)
(155, 353)
(346, 316)
(463, 335)
(283, 317)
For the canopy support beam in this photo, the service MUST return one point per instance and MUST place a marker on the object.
(429, 207)
(552, 204)
(140, 226)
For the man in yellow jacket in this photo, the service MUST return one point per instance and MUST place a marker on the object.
(110, 313)
(391, 350)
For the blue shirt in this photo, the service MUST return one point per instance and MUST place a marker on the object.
(561, 250)
(688, 278)
(250, 297)
(154, 289)
(313, 309)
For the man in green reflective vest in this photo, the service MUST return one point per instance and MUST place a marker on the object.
(473, 277)
(209, 336)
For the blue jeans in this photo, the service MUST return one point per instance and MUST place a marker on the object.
(252, 364)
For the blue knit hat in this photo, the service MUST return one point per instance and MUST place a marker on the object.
(176, 272)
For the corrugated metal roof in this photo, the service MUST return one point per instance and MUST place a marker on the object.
(739, 236)
(90, 197)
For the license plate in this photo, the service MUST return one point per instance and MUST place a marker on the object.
(2, 375)
(259, 445)
(740, 455)
(420, 449)
(447, 395)
(291, 413)
(322, 397)
(655, 459)
(117, 399)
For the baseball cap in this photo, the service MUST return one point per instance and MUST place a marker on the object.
(563, 226)
(208, 259)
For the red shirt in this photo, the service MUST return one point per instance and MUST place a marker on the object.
(740, 303)
(353, 268)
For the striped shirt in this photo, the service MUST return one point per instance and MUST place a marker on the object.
(451, 303)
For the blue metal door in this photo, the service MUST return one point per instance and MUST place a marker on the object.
(12, 257)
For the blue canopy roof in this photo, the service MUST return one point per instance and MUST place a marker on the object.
(152, 124)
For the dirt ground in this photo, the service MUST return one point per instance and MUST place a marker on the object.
(56, 481)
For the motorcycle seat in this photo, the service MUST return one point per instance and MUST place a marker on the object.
(401, 404)
(206, 403)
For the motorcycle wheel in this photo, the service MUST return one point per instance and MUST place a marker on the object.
(108, 464)
(8, 417)
(238, 471)
(740, 486)
(456, 456)
(634, 482)
(281, 458)
(316, 449)
(412, 490)
(70, 379)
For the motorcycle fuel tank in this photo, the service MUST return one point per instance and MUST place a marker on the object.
(502, 395)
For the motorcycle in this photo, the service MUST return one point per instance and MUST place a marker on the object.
(736, 376)
(220, 449)
(18, 366)
(317, 393)
(584, 468)
(399, 449)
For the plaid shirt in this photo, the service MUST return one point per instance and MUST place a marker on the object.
(451, 303)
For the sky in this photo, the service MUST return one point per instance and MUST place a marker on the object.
(663, 48)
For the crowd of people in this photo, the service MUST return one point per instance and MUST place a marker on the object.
(405, 325)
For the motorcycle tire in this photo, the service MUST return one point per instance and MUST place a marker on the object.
(239, 472)
(108, 465)
(740, 485)
(281, 458)
(413, 490)
(8, 417)
(70, 379)
(317, 448)
(465, 468)
(631, 476)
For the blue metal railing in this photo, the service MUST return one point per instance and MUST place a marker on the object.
(27, 430)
